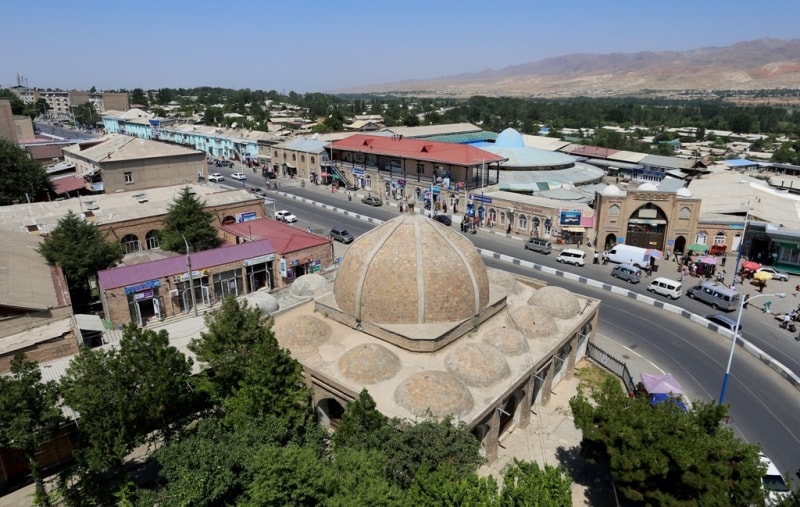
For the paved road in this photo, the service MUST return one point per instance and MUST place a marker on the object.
(765, 408)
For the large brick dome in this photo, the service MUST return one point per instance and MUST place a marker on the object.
(412, 270)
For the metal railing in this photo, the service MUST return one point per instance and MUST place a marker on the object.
(612, 364)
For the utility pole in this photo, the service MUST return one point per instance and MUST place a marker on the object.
(191, 276)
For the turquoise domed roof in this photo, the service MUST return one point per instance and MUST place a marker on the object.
(509, 138)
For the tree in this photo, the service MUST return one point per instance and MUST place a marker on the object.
(138, 97)
(362, 425)
(125, 396)
(31, 414)
(248, 373)
(445, 486)
(663, 456)
(23, 178)
(81, 250)
(524, 483)
(187, 221)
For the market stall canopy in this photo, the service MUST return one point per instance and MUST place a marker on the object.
(707, 259)
(661, 384)
(751, 265)
(652, 252)
(698, 247)
(762, 275)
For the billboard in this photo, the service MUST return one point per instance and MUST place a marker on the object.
(570, 218)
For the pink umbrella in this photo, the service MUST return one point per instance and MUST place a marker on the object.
(751, 265)
(707, 259)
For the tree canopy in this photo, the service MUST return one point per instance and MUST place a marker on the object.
(662, 456)
(24, 179)
(187, 221)
(80, 249)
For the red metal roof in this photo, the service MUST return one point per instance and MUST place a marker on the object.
(417, 149)
(593, 151)
(130, 275)
(68, 183)
(284, 238)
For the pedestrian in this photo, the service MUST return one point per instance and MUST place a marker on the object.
(746, 301)
(761, 285)
(596, 257)
(508, 229)
(667, 257)
(723, 261)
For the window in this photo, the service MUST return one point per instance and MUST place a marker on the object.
(302, 158)
(312, 160)
(685, 214)
(701, 237)
(131, 243)
(294, 156)
(523, 222)
(613, 211)
(719, 238)
(152, 240)
(128, 178)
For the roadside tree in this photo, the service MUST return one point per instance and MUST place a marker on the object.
(187, 221)
(24, 179)
(31, 415)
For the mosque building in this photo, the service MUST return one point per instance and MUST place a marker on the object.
(416, 318)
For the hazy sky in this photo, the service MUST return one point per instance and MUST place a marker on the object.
(318, 45)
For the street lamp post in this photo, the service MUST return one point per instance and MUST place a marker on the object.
(741, 247)
(191, 275)
(735, 338)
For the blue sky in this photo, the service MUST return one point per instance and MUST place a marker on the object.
(321, 46)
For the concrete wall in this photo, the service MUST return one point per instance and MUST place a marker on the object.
(8, 129)
(152, 172)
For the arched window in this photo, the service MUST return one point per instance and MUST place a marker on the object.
(151, 239)
(719, 238)
(312, 160)
(302, 158)
(613, 210)
(523, 222)
(685, 214)
(131, 243)
(701, 238)
(228, 220)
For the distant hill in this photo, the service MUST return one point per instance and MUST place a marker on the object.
(752, 65)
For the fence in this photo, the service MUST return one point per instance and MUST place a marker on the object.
(611, 364)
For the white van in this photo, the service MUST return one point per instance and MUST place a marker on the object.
(572, 256)
(666, 287)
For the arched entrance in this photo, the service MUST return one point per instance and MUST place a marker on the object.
(329, 413)
(508, 412)
(646, 227)
(611, 240)
(680, 245)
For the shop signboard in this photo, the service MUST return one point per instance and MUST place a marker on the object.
(139, 287)
(571, 217)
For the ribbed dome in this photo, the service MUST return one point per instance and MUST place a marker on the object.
(437, 392)
(411, 270)
(561, 303)
(369, 363)
(304, 332)
(477, 364)
(532, 321)
(507, 340)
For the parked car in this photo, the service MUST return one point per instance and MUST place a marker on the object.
(773, 482)
(372, 200)
(216, 177)
(723, 321)
(285, 216)
(444, 219)
(239, 176)
(539, 245)
(776, 274)
(341, 234)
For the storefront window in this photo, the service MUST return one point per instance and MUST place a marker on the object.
(228, 283)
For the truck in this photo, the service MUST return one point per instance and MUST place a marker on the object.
(628, 254)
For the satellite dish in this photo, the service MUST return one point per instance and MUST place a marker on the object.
(233, 125)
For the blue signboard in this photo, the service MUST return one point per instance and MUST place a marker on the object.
(480, 198)
(570, 218)
(150, 284)
(470, 210)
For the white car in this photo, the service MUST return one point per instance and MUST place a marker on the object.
(773, 483)
(215, 177)
(238, 176)
(776, 275)
(285, 216)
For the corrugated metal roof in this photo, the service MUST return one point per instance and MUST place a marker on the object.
(68, 183)
(284, 238)
(129, 275)
(417, 149)
(121, 147)
(433, 130)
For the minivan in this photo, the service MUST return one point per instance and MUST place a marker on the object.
(538, 245)
(572, 256)
(666, 287)
(341, 234)
(627, 272)
(716, 295)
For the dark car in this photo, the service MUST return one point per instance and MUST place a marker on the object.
(444, 219)
(372, 200)
(723, 321)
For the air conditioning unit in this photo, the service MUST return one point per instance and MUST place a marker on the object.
(173, 293)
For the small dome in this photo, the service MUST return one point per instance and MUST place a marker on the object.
(561, 303)
(507, 340)
(369, 363)
(532, 321)
(683, 192)
(477, 364)
(411, 270)
(308, 285)
(509, 138)
(306, 331)
(264, 301)
(503, 279)
(611, 190)
(436, 392)
(647, 187)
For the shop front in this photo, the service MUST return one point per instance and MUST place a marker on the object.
(145, 302)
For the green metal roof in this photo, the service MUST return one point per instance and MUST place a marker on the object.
(470, 137)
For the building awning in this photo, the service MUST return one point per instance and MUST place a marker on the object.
(574, 229)
(647, 221)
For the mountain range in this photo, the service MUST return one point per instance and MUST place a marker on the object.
(753, 65)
